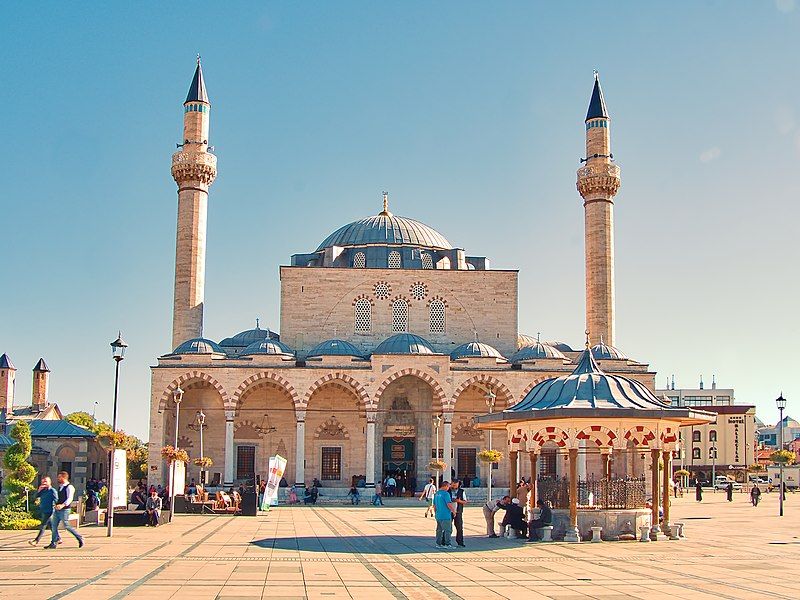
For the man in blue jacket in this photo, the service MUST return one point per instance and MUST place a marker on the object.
(47, 501)
(66, 493)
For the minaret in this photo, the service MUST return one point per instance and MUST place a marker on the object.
(8, 373)
(598, 183)
(194, 169)
(41, 377)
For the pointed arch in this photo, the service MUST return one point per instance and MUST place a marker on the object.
(600, 435)
(350, 382)
(265, 377)
(189, 377)
(331, 429)
(438, 392)
(550, 433)
(486, 379)
(640, 436)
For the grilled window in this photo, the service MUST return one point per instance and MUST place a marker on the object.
(359, 260)
(363, 316)
(399, 316)
(437, 320)
(245, 462)
(427, 261)
(331, 464)
(394, 260)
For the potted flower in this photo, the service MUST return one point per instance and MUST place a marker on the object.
(437, 464)
(782, 457)
(490, 456)
(204, 461)
(682, 473)
(171, 454)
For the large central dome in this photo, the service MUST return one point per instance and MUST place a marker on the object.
(384, 229)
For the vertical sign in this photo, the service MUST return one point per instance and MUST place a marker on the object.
(277, 465)
(120, 484)
(180, 478)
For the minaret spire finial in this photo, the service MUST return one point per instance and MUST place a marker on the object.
(587, 338)
(198, 61)
(385, 212)
(257, 323)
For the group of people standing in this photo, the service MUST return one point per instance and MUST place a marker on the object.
(54, 509)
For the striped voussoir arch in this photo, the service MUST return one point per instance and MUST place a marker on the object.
(640, 435)
(601, 435)
(669, 435)
(438, 392)
(486, 380)
(194, 376)
(338, 377)
(551, 434)
(265, 377)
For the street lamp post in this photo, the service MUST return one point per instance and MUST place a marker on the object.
(437, 422)
(781, 402)
(201, 421)
(491, 398)
(712, 454)
(177, 396)
(118, 353)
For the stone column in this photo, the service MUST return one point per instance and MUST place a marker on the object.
(582, 460)
(447, 446)
(512, 473)
(666, 458)
(654, 456)
(534, 461)
(227, 476)
(369, 473)
(572, 534)
(300, 450)
(605, 458)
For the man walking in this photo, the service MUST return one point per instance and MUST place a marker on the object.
(444, 508)
(377, 500)
(459, 496)
(755, 495)
(427, 494)
(66, 493)
(47, 501)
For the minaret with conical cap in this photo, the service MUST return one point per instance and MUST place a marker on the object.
(598, 182)
(194, 169)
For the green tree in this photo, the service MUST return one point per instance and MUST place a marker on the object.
(135, 449)
(22, 473)
(783, 456)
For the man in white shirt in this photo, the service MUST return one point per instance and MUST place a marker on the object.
(66, 493)
(427, 494)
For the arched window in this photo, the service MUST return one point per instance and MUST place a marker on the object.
(399, 316)
(394, 260)
(359, 260)
(695, 436)
(696, 453)
(437, 320)
(712, 435)
(363, 316)
(427, 261)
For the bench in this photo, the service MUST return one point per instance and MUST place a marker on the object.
(546, 534)
(136, 518)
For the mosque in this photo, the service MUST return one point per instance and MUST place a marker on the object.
(391, 341)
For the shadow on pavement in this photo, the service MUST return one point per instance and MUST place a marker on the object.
(383, 544)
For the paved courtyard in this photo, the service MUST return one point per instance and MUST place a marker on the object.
(731, 551)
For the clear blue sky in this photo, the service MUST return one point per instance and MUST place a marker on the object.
(469, 114)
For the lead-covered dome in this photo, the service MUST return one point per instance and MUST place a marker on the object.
(245, 338)
(335, 348)
(536, 351)
(405, 343)
(198, 346)
(267, 346)
(386, 229)
(603, 351)
(475, 350)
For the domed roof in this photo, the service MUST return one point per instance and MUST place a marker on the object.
(475, 350)
(268, 347)
(603, 351)
(198, 346)
(536, 351)
(245, 338)
(404, 343)
(335, 348)
(523, 339)
(560, 346)
(589, 387)
(386, 229)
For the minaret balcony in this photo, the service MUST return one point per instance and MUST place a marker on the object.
(598, 179)
(194, 166)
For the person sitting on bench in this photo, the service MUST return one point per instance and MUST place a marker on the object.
(515, 518)
(545, 518)
(152, 509)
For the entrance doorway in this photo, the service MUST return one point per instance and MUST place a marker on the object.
(398, 461)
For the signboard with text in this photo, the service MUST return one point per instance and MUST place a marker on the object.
(120, 484)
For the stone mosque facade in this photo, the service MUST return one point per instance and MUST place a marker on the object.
(391, 340)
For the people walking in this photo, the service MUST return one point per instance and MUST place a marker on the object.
(66, 493)
(489, 511)
(427, 495)
(377, 500)
(47, 497)
(755, 495)
(445, 510)
(729, 491)
(698, 491)
(391, 485)
(459, 496)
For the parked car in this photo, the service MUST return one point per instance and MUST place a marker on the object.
(722, 481)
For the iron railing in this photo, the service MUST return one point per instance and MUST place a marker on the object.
(594, 493)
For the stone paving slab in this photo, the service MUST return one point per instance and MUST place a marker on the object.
(732, 550)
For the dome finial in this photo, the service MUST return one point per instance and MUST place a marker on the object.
(587, 338)
(601, 340)
(257, 323)
(538, 337)
(385, 212)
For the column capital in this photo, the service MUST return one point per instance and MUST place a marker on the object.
(372, 416)
(300, 416)
(448, 417)
(230, 415)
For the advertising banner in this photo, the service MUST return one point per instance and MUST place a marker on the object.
(120, 484)
(277, 465)
(180, 477)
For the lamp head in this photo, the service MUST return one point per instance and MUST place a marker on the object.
(201, 417)
(177, 395)
(118, 348)
(781, 402)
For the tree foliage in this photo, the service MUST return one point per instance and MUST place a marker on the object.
(135, 449)
(783, 456)
(21, 472)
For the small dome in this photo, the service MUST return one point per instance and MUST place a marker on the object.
(198, 346)
(536, 351)
(405, 343)
(523, 339)
(603, 351)
(274, 347)
(589, 387)
(245, 338)
(560, 346)
(475, 350)
(386, 229)
(335, 348)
